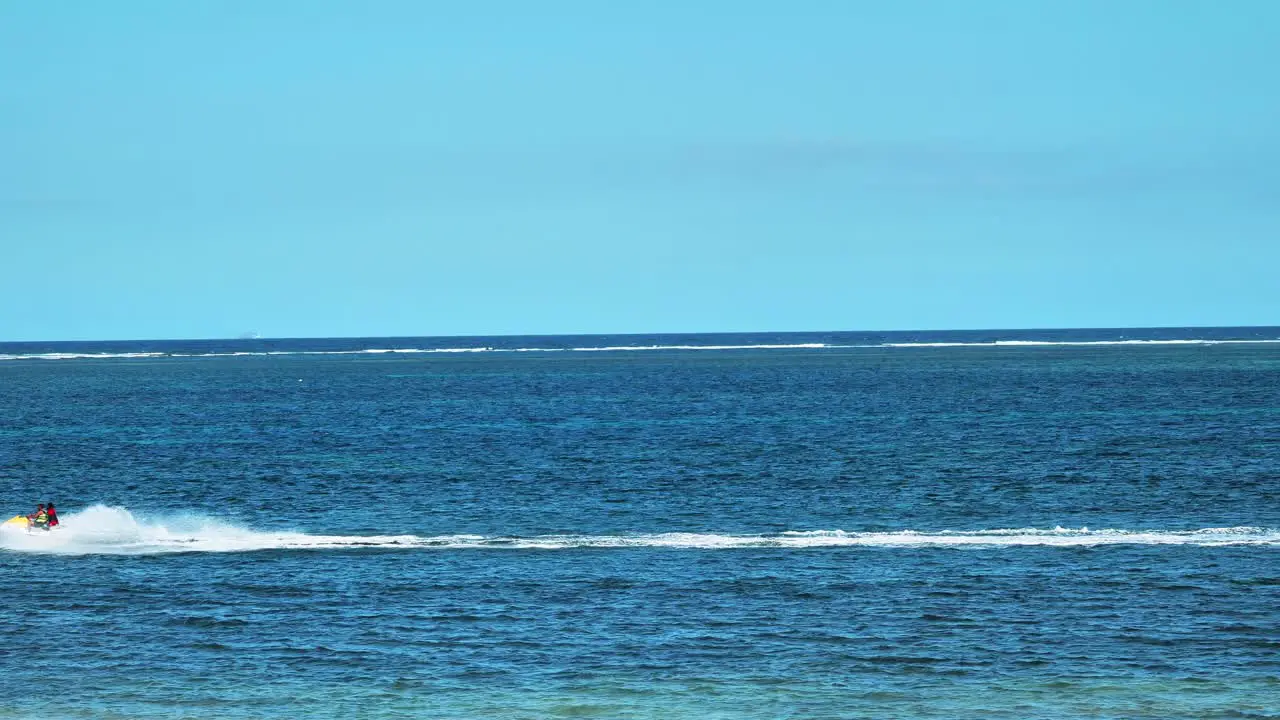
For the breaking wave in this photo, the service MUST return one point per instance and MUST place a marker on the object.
(622, 348)
(117, 531)
(411, 351)
(1071, 343)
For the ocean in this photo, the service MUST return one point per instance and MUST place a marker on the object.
(982, 524)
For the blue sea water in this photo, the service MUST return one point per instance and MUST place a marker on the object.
(993, 524)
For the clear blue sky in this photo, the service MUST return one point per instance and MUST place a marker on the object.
(312, 168)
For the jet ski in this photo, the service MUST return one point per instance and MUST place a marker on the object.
(20, 522)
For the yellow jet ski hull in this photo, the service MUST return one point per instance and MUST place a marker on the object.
(18, 520)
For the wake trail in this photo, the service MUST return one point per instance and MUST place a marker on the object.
(103, 530)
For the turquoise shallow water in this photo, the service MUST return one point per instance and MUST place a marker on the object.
(800, 526)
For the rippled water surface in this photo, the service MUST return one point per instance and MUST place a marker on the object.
(951, 525)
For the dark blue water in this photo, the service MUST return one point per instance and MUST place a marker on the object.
(992, 524)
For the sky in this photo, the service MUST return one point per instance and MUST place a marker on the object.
(313, 168)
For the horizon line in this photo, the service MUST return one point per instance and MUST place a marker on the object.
(641, 334)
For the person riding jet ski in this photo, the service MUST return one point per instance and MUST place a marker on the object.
(39, 519)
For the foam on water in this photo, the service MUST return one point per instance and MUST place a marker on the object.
(113, 530)
(1069, 343)
(637, 348)
(79, 356)
(415, 351)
